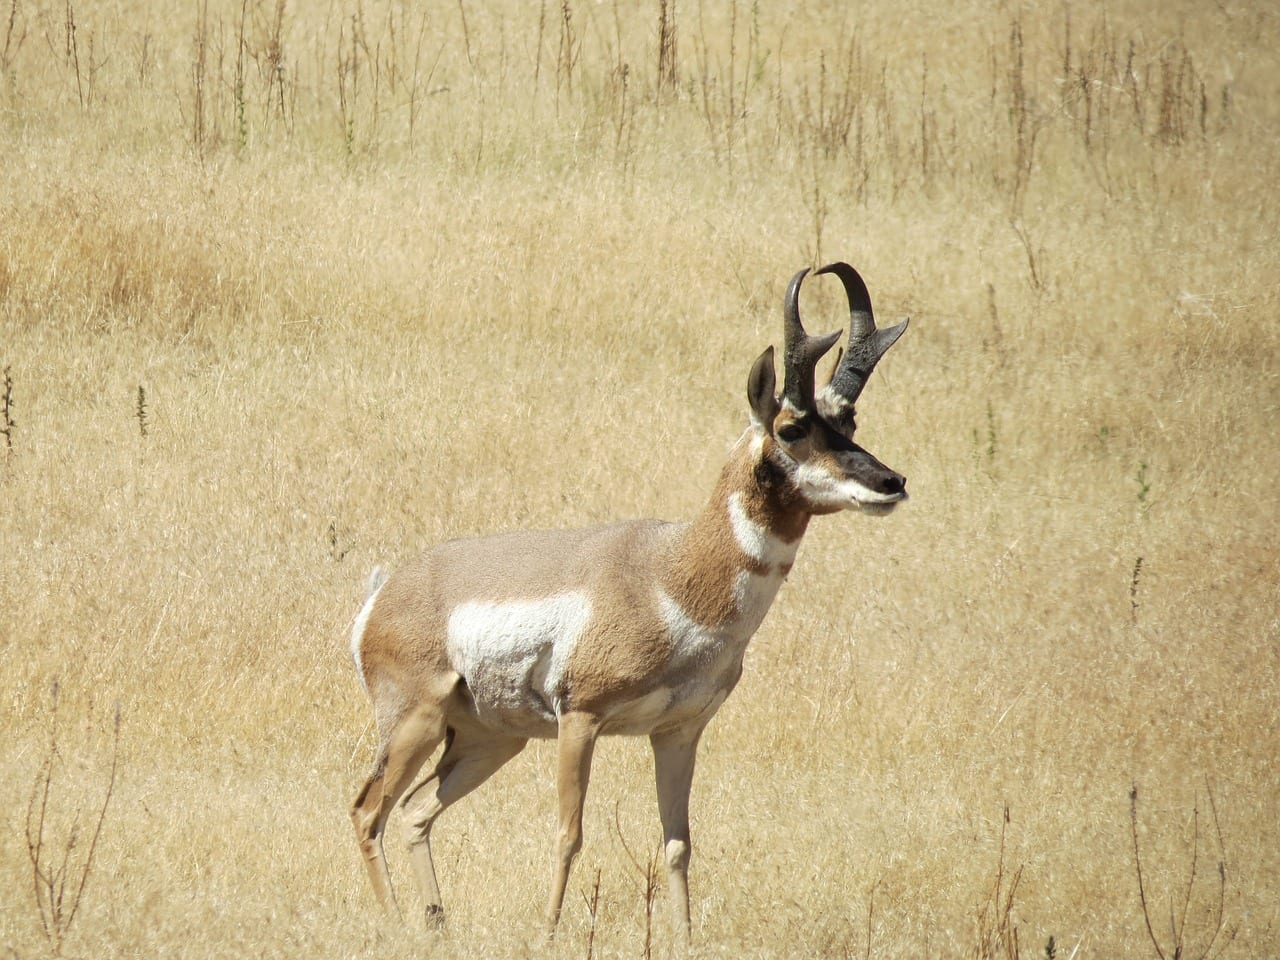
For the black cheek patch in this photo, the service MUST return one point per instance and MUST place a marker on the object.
(769, 473)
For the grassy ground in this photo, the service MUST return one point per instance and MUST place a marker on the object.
(288, 292)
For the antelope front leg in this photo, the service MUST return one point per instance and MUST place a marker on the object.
(673, 759)
(575, 744)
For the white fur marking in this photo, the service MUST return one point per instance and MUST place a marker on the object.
(753, 596)
(689, 637)
(844, 492)
(516, 649)
(362, 621)
(757, 541)
(706, 662)
(833, 403)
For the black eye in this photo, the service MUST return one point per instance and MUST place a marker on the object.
(791, 432)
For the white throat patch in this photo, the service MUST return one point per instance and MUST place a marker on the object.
(757, 541)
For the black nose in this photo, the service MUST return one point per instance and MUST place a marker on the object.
(894, 483)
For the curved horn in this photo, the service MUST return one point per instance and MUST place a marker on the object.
(802, 352)
(866, 346)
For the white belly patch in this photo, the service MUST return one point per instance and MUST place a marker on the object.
(512, 654)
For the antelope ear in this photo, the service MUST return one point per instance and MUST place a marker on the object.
(760, 391)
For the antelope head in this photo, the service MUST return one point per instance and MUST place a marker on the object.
(809, 437)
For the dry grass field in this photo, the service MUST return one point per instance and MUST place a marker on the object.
(288, 291)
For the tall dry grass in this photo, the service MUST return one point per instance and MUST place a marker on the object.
(289, 291)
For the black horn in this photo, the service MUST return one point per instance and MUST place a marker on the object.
(802, 352)
(866, 346)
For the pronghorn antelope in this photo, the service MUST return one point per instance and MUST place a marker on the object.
(630, 628)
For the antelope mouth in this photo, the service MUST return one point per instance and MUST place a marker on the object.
(882, 505)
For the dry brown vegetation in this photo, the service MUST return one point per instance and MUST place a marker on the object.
(287, 291)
